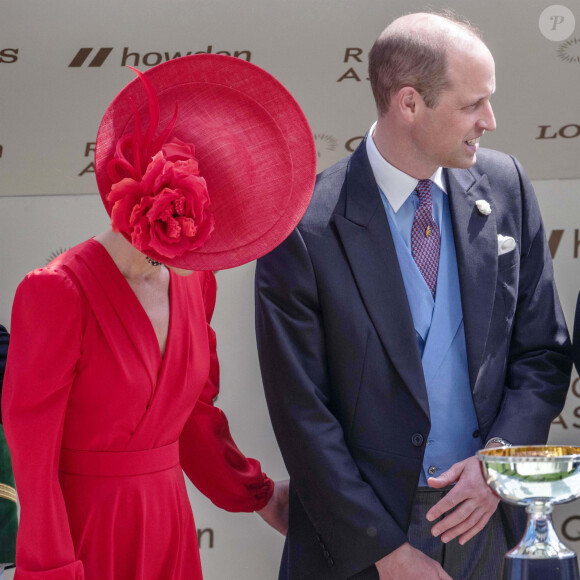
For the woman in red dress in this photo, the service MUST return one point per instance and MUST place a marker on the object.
(112, 370)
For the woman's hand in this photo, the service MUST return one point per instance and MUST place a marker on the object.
(275, 512)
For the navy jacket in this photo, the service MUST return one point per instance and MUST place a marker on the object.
(576, 336)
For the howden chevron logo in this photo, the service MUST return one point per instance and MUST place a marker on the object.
(83, 54)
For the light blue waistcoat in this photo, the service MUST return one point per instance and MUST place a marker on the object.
(440, 334)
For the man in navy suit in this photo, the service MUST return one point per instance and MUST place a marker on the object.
(408, 321)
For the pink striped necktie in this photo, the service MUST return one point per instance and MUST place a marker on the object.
(425, 238)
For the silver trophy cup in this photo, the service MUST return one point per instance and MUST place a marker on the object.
(537, 477)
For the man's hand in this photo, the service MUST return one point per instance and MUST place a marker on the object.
(275, 512)
(470, 502)
(407, 563)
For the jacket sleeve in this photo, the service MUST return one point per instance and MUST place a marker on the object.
(539, 362)
(208, 454)
(350, 521)
(576, 336)
(4, 338)
(45, 346)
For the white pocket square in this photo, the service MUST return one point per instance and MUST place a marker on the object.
(505, 244)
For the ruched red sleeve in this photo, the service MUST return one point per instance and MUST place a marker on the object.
(209, 456)
(44, 349)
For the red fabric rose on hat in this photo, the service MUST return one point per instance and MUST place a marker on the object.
(168, 209)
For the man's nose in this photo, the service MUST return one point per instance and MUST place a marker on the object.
(487, 120)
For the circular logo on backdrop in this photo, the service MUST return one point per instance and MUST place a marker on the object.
(325, 147)
(569, 51)
(55, 254)
(557, 22)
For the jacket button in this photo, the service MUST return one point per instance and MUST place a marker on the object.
(476, 434)
(432, 470)
(417, 439)
(326, 554)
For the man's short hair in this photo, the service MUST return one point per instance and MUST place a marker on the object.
(401, 57)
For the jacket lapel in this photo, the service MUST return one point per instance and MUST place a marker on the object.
(476, 248)
(367, 240)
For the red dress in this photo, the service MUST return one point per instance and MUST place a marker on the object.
(100, 425)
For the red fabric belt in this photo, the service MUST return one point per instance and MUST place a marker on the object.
(119, 463)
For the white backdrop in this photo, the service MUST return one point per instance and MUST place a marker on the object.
(61, 62)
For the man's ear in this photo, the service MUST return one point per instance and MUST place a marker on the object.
(407, 102)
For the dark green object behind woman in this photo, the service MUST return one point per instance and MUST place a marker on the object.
(8, 518)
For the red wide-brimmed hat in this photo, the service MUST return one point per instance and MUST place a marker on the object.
(205, 162)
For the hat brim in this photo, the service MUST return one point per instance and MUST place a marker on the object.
(253, 144)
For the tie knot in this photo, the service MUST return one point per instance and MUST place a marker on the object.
(423, 190)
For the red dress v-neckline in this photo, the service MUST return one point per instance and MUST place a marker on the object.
(130, 296)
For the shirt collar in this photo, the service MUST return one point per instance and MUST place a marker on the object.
(394, 183)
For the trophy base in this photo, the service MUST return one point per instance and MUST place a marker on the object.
(540, 569)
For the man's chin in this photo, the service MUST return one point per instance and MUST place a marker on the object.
(472, 161)
(464, 163)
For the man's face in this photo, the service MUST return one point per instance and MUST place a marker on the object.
(448, 134)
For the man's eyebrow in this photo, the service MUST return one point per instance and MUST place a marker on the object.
(478, 100)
